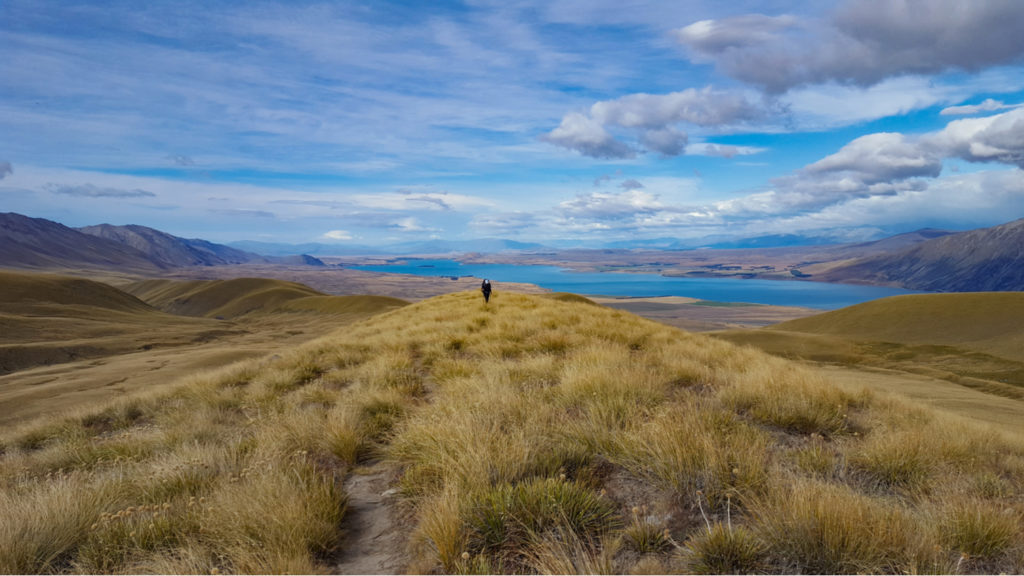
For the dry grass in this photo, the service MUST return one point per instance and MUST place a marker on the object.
(533, 435)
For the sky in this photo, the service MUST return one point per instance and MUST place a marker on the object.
(550, 121)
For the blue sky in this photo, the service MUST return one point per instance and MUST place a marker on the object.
(589, 121)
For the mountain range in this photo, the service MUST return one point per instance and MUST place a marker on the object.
(37, 243)
(988, 259)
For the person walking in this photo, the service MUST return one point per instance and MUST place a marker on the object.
(486, 289)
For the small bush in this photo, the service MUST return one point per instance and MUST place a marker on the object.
(509, 517)
(981, 529)
(816, 528)
(896, 460)
(645, 534)
(725, 550)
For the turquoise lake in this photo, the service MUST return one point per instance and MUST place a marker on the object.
(776, 292)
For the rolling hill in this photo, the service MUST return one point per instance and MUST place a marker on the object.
(48, 319)
(972, 339)
(991, 323)
(244, 296)
(531, 435)
(988, 259)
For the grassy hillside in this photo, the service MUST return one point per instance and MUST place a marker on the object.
(987, 322)
(64, 340)
(25, 291)
(242, 296)
(539, 435)
(48, 319)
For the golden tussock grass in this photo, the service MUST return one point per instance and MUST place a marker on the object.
(533, 434)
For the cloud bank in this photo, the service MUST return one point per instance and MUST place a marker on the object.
(90, 191)
(652, 121)
(860, 43)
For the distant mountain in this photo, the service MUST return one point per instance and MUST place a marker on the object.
(171, 251)
(39, 243)
(310, 248)
(988, 259)
(902, 241)
(301, 260)
(489, 245)
(419, 247)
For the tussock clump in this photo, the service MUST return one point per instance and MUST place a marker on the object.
(829, 529)
(722, 549)
(505, 520)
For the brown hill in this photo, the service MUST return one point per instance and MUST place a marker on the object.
(241, 296)
(40, 244)
(988, 259)
(983, 322)
(48, 319)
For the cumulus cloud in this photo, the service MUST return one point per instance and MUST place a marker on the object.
(5, 169)
(881, 157)
(653, 120)
(705, 107)
(611, 206)
(91, 191)
(988, 105)
(887, 164)
(863, 42)
(667, 141)
(588, 137)
(998, 138)
(337, 235)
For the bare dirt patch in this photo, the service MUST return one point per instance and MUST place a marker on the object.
(374, 535)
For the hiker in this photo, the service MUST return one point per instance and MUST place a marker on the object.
(486, 289)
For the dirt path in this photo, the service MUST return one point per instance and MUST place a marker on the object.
(374, 541)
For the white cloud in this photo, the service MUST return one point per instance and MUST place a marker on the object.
(411, 224)
(337, 235)
(880, 157)
(998, 138)
(987, 105)
(614, 205)
(588, 137)
(654, 121)
(721, 150)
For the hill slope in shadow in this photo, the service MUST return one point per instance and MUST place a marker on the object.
(37, 243)
(168, 250)
(978, 260)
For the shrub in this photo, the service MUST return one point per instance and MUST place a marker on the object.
(811, 527)
(509, 517)
(726, 550)
(980, 529)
